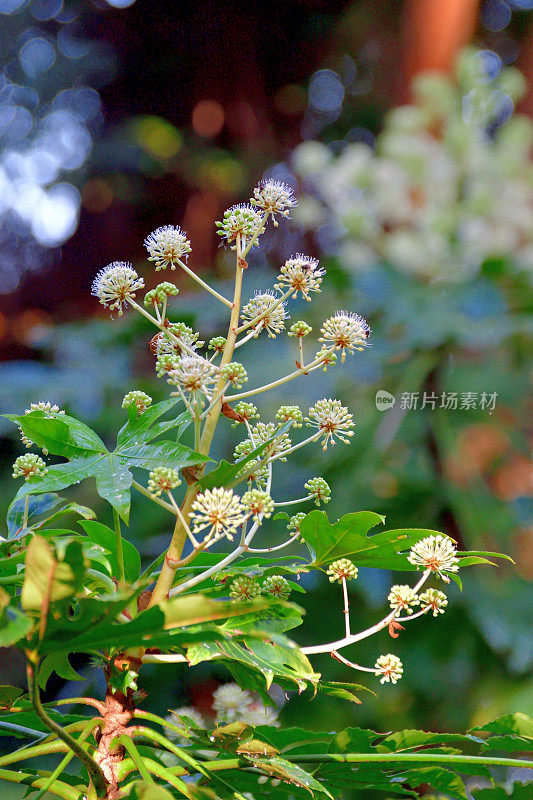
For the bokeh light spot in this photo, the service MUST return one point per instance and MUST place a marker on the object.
(326, 91)
(208, 118)
(157, 136)
(96, 196)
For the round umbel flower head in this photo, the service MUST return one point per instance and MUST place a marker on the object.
(244, 588)
(299, 328)
(29, 466)
(277, 586)
(274, 197)
(193, 374)
(263, 432)
(163, 479)
(219, 511)
(160, 294)
(164, 343)
(290, 414)
(140, 400)
(246, 411)
(327, 357)
(319, 489)
(115, 284)
(435, 553)
(389, 667)
(332, 419)
(402, 598)
(295, 521)
(435, 600)
(301, 274)
(165, 363)
(342, 569)
(258, 503)
(229, 702)
(49, 409)
(235, 374)
(272, 316)
(166, 245)
(257, 714)
(240, 220)
(346, 331)
(217, 343)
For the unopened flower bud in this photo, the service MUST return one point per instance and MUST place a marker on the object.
(29, 466)
(342, 569)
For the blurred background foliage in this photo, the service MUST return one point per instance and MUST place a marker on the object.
(120, 116)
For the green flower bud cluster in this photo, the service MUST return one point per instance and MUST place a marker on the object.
(292, 414)
(160, 293)
(140, 400)
(235, 374)
(258, 503)
(341, 569)
(277, 586)
(217, 343)
(319, 489)
(29, 466)
(299, 328)
(163, 479)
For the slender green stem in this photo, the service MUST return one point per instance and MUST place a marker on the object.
(197, 428)
(280, 381)
(168, 570)
(162, 327)
(435, 758)
(65, 762)
(26, 510)
(252, 323)
(152, 497)
(36, 751)
(95, 773)
(127, 766)
(58, 788)
(165, 723)
(135, 756)
(170, 775)
(203, 284)
(119, 549)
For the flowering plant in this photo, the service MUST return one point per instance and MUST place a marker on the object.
(68, 592)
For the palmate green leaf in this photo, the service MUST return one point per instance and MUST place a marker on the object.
(161, 454)
(105, 537)
(58, 663)
(517, 723)
(343, 691)
(443, 780)
(142, 429)
(14, 625)
(47, 579)
(278, 660)
(60, 434)
(153, 627)
(112, 471)
(290, 773)
(9, 696)
(91, 614)
(60, 476)
(508, 744)
(30, 725)
(411, 739)
(38, 506)
(113, 483)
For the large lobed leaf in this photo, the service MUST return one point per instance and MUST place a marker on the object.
(65, 436)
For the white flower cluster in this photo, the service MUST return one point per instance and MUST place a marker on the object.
(446, 188)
